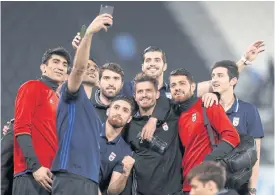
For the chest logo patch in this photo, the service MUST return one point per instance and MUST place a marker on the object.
(112, 156)
(168, 95)
(51, 101)
(194, 117)
(236, 121)
(165, 127)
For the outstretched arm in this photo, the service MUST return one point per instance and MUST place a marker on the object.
(249, 56)
(83, 51)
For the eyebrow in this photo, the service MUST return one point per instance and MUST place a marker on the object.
(56, 59)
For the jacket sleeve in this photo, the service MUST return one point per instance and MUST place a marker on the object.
(25, 143)
(25, 103)
(220, 122)
(161, 108)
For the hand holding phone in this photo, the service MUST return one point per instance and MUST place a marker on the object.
(106, 9)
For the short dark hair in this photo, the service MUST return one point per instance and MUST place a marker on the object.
(60, 51)
(231, 67)
(182, 72)
(93, 59)
(141, 77)
(114, 67)
(153, 49)
(209, 171)
(126, 99)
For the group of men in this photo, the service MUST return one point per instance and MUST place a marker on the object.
(86, 131)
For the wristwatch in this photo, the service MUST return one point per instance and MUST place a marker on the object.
(245, 61)
(252, 190)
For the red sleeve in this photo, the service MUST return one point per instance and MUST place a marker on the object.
(25, 103)
(220, 122)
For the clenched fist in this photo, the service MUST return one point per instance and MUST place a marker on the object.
(128, 163)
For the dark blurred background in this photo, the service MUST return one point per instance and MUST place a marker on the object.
(193, 34)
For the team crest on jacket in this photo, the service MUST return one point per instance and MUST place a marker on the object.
(236, 121)
(168, 95)
(165, 127)
(112, 156)
(194, 117)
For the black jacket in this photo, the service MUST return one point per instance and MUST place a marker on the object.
(7, 163)
(100, 107)
(156, 173)
(228, 192)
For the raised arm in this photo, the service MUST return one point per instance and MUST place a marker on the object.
(83, 51)
(249, 56)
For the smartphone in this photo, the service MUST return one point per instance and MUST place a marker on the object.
(83, 31)
(106, 9)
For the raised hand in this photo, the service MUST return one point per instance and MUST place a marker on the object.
(253, 50)
(98, 23)
(76, 41)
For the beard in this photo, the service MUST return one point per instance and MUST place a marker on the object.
(147, 107)
(155, 75)
(181, 99)
(116, 121)
(108, 95)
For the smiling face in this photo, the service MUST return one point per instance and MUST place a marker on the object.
(220, 80)
(181, 88)
(153, 64)
(146, 95)
(55, 68)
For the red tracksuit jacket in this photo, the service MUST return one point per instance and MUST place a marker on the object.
(35, 114)
(194, 137)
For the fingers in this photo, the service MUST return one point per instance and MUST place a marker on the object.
(46, 183)
(106, 16)
(43, 182)
(259, 51)
(105, 28)
(206, 101)
(257, 43)
(211, 102)
(142, 132)
(48, 180)
(149, 135)
(49, 173)
(203, 98)
(77, 37)
(5, 130)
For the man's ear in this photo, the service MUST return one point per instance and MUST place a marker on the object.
(233, 81)
(43, 68)
(158, 94)
(193, 87)
(165, 67)
(210, 185)
(142, 67)
(108, 111)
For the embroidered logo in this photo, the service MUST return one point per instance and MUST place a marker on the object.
(168, 95)
(236, 121)
(112, 156)
(165, 127)
(51, 101)
(194, 117)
